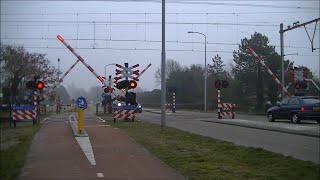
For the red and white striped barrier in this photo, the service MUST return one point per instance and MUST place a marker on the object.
(258, 59)
(226, 109)
(60, 80)
(24, 114)
(144, 70)
(123, 114)
(173, 102)
(87, 65)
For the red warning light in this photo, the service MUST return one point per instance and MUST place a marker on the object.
(132, 84)
(40, 85)
(60, 38)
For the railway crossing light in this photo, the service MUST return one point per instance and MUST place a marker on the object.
(225, 84)
(40, 85)
(106, 90)
(122, 84)
(220, 83)
(298, 86)
(126, 84)
(132, 84)
(30, 85)
(217, 84)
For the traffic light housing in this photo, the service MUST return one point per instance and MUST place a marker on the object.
(126, 84)
(131, 98)
(31, 85)
(122, 84)
(220, 83)
(224, 84)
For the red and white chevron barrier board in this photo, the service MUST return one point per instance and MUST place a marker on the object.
(87, 65)
(227, 114)
(123, 114)
(24, 114)
(258, 59)
(226, 105)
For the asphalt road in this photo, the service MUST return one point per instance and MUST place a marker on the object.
(301, 147)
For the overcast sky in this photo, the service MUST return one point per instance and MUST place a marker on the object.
(105, 32)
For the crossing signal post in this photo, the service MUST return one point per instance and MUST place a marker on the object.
(36, 86)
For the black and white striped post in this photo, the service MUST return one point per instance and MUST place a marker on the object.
(218, 108)
(35, 103)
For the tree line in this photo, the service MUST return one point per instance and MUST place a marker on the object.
(250, 86)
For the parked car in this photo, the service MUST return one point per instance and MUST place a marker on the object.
(296, 108)
(139, 108)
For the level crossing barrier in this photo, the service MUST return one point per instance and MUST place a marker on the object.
(123, 113)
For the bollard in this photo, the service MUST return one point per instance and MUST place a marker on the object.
(80, 111)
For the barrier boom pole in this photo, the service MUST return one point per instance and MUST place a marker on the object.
(87, 65)
(258, 59)
(60, 80)
(144, 70)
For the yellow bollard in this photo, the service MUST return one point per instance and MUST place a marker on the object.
(80, 110)
(72, 107)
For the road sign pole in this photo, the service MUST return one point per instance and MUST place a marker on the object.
(80, 112)
(163, 68)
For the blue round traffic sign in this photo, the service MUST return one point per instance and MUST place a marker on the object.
(103, 95)
(81, 102)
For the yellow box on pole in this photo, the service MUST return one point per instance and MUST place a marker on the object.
(80, 111)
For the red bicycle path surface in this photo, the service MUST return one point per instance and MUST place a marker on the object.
(55, 154)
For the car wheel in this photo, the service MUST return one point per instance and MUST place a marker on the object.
(295, 118)
(270, 117)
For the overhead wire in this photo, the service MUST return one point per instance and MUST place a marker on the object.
(144, 49)
(149, 41)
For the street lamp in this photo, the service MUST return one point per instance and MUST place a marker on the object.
(205, 68)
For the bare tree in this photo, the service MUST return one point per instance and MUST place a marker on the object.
(19, 64)
(171, 66)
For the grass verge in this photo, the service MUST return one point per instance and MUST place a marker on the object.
(15, 144)
(200, 157)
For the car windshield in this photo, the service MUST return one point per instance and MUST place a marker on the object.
(310, 100)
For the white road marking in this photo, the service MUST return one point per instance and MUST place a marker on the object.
(86, 147)
(100, 175)
(101, 120)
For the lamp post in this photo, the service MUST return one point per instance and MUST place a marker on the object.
(205, 68)
(105, 69)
